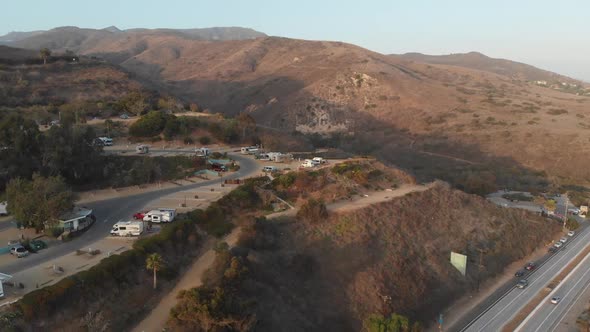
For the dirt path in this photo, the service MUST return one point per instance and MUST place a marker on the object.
(157, 318)
(377, 197)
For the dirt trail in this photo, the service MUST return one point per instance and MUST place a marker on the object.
(157, 318)
(377, 197)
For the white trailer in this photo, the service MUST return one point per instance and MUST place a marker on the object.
(308, 163)
(127, 228)
(160, 215)
(3, 210)
(318, 160)
(202, 152)
(3, 277)
(142, 149)
(249, 150)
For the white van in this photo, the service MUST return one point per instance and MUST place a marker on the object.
(308, 163)
(318, 160)
(269, 169)
(203, 152)
(3, 210)
(142, 149)
(127, 228)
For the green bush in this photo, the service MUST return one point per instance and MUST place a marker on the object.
(205, 140)
(149, 125)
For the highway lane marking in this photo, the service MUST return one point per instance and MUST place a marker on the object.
(571, 305)
(525, 321)
(532, 282)
(566, 294)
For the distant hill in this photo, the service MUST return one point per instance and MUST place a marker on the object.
(79, 39)
(16, 54)
(478, 61)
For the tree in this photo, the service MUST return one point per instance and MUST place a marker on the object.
(39, 202)
(550, 205)
(246, 123)
(45, 54)
(154, 262)
(393, 323)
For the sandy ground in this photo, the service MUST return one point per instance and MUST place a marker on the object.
(470, 300)
(157, 318)
(376, 197)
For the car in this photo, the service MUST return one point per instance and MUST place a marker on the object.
(552, 249)
(522, 284)
(563, 240)
(571, 233)
(139, 215)
(19, 251)
(519, 273)
(124, 116)
(555, 300)
(530, 266)
(558, 244)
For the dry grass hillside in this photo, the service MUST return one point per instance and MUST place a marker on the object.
(482, 116)
(329, 274)
(401, 110)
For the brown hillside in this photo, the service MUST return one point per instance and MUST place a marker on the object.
(399, 109)
(329, 275)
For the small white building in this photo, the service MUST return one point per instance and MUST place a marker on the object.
(3, 278)
(78, 219)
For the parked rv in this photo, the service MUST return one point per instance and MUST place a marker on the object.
(318, 160)
(249, 150)
(3, 210)
(161, 215)
(142, 149)
(106, 141)
(203, 152)
(270, 169)
(127, 228)
(308, 163)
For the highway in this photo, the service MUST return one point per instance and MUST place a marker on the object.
(110, 211)
(546, 315)
(504, 304)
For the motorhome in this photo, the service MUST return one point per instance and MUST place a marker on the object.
(203, 152)
(3, 278)
(3, 209)
(128, 228)
(142, 149)
(249, 150)
(161, 215)
(308, 163)
(106, 141)
(270, 169)
(318, 160)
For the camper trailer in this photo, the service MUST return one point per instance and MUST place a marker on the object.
(203, 152)
(249, 150)
(142, 149)
(127, 228)
(160, 215)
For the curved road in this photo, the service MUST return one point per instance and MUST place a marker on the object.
(110, 211)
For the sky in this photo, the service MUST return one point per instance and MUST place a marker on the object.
(553, 35)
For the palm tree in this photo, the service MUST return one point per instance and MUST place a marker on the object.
(154, 262)
(45, 53)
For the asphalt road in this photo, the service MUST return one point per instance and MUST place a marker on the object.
(547, 316)
(110, 211)
(499, 308)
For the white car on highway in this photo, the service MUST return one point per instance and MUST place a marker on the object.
(558, 244)
(555, 300)
(563, 240)
(571, 233)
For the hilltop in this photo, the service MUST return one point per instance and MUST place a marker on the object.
(484, 122)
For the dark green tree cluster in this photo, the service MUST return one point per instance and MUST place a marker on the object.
(37, 203)
(155, 123)
(393, 323)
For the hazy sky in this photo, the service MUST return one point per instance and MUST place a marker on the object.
(554, 35)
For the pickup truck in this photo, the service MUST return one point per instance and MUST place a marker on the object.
(139, 215)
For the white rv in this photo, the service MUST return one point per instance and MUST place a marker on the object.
(3, 210)
(3, 277)
(308, 163)
(203, 152)
(142, 149)
(249, 150)
(127, 228)
(160, 215)
(106, 141)
(318, 160)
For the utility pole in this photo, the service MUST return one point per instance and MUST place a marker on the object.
(565, 213)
